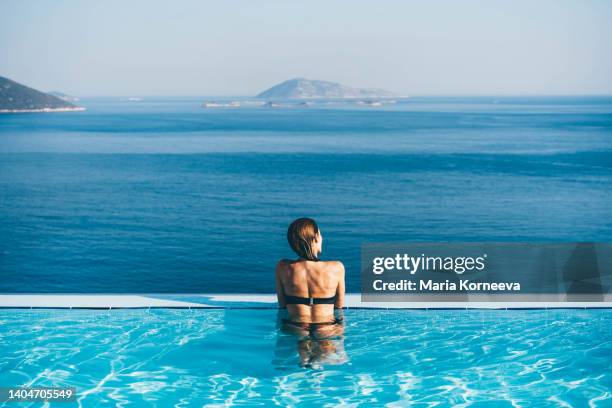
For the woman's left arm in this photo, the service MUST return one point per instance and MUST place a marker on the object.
(340, 290)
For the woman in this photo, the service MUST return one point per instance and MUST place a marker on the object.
(310, 289)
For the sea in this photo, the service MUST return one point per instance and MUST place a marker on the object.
(163, 195)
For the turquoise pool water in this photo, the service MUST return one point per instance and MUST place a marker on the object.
(397, 358)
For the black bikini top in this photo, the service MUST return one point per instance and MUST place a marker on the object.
(309, 301)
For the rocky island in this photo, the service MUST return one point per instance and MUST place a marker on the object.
(301, 88)
(15, 97)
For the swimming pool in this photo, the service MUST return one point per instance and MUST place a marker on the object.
(183, 358)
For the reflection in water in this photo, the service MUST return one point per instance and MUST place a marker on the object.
(316, 345)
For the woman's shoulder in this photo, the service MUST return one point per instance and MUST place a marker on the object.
(283, 263)
(335, 266)
(330, 265)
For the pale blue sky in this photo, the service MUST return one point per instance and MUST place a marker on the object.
(195, 47)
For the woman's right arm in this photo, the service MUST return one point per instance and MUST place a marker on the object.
(280, 292)
(340, 290)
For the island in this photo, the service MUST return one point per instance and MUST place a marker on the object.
(16, 97)
(301, 88)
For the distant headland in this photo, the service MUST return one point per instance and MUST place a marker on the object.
(15, 97)
(301, 88)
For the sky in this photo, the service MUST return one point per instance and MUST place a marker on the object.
(241, 47)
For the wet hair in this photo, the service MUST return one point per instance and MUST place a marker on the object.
(301, 235)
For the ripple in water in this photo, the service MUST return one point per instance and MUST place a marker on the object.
(194, 357)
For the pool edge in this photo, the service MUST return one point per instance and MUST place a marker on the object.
(253, 301)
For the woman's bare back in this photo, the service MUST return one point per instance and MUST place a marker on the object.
(309, 279)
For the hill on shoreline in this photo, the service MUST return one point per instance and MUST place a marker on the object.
(16, 97)
(301, 88)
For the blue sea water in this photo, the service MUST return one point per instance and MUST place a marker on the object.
(184, 358)
(165, 196)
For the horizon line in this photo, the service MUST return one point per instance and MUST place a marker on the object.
(432, 95)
